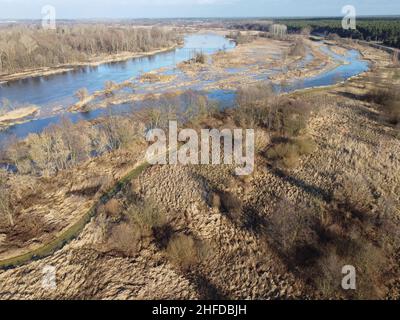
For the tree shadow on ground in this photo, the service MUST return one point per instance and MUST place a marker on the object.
(205, 288)
(310, 189)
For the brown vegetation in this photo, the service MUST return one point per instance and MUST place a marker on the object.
(65, 145)
(184, 251)
(24, 47)
(240, 37)
(316, 242)
(298, 49)
(388, 101)
(6, 212)
(282, 122)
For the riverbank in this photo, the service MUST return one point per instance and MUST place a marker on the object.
(97, 61)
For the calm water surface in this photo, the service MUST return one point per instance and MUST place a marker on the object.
(58, 90)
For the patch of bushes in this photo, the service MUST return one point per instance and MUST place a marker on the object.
(252, 105)
(287, 153)
(388, 101)
(6, 212)
(298, 49)
(258, 106)
(290, 118)
(147, 217)
(125, 239)
(184, 251)
(241, 38)
(228, 204)
(316, 242)
(66, 145)
(113, 210)
(140, 223)
(200, 58)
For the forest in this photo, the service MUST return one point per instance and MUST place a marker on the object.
(384, 30)
(24, 47)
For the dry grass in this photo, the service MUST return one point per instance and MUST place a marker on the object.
(113, 210)
(147, 217)
(287, 154)
(124, 238)
(316, 242)
(184, 251)
(388, 101)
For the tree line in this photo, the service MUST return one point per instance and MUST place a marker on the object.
(385, 30)
(23, 47)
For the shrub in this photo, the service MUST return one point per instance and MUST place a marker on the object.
(393, 111)
(262, 140)
(388, 101)
(147, 217)
(200, 58)
(260, 107)
(231, 205)
(124, 238)
(113, 209)
(283, 155)
(184, 251)
(299, 49)
(254, 94)
(6, 211)
(316, 242)
(82, 94)
(287, 154)
(305, 146)
(109, 87)
(241, 38)
(253, 104)
(333, 36)
(215, 201)
(289, 229)
(293, 117)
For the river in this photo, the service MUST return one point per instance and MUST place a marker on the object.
(57, 91)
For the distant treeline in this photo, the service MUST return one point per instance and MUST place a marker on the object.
(385, 30)
(23, 47)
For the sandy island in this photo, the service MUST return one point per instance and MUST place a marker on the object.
(11, 117)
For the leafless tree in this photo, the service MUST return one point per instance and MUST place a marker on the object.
(25, 47)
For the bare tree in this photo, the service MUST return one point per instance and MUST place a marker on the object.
(24, 47)
(82, 94)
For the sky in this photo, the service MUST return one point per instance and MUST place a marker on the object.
(79, 9)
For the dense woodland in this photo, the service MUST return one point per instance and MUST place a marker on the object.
(23, 47)
(385, 30)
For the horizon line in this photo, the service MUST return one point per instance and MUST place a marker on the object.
(210, 17)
